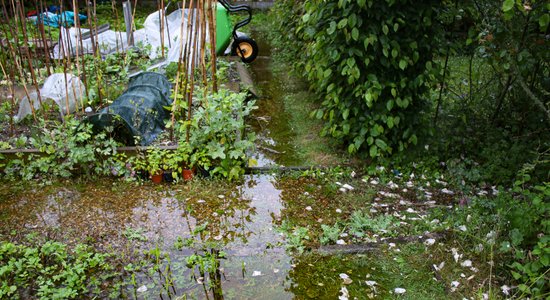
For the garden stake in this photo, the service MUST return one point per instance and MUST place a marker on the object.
(30, 58)
(212, 29)
(115, 11)
(192, 77)
(17, 65)
(40, 25)
(12, 92)
(178, 73)
(76, 21)
(161, 21)
(202, 41)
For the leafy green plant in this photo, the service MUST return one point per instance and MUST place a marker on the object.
(295, 236)
(360, 223)
(330, 234)
(67, 149)
(217, 134)
(155, 158)
(51, 271)
(134, 234)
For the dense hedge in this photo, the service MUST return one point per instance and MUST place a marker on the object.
(371, 63)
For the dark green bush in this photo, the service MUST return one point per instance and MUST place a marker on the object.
(371, 63)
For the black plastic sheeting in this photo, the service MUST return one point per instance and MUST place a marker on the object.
(138, 115)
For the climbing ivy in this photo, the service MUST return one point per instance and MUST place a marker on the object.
(371, 63)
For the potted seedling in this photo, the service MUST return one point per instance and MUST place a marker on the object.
(155, 160)
(183, 153)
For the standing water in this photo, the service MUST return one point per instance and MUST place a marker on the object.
(270, 121)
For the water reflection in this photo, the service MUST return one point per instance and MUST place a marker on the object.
(234, 250)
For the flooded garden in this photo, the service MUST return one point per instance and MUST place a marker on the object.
(183, 170)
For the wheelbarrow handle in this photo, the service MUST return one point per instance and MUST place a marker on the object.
(237, 8)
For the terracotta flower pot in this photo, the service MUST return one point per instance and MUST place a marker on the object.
(188, 174)
(157, 178)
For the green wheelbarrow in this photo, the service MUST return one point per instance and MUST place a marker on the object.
(242, 45)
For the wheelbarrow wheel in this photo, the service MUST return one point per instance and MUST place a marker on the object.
(246, 48)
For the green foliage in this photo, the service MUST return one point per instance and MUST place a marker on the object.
(51, 271)
(330, 234)
(296, 237)
(134, 234)
(154, 160)
(217, 134)
(361, 223)
(107, 78)
(67, 149)
(493, 109)
(371, 63)
(516, 224)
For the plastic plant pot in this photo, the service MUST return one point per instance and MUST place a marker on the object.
(157, 178)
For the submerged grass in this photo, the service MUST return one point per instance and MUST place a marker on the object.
(297, 104)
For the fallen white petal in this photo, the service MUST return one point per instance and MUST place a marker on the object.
(345, 294)
(429, 242)
(349, 187)
(441, 265)
(399, 290)
(256, 273)
(505, 290)
(142, 289)
(467, 263)
(447, 191)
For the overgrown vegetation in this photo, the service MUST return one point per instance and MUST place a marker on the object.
(491, 69)
(483, 124)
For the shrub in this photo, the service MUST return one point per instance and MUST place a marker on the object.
(371, 64)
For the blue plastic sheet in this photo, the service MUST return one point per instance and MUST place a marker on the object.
(65, 19)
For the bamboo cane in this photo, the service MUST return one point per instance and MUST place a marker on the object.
(202, 46)
(12, 94)
(194, 42)
(76, 21)
(30, 57)
(161, 19)
(178, 73)
(212, 29)
(40, 25)
(18, 67)
(66, 56)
